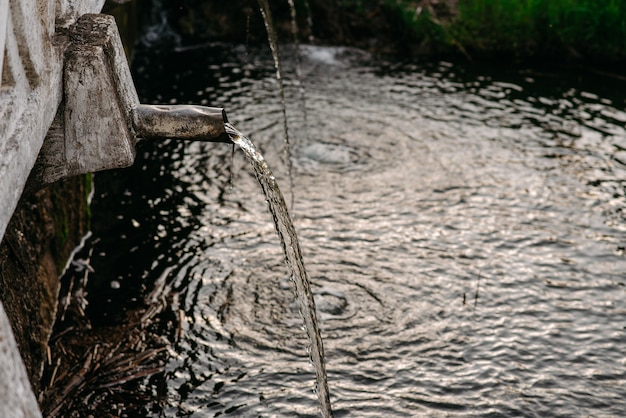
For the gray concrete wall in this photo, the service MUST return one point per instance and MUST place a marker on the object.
(32, 87)
(68, 106)
(33, 42)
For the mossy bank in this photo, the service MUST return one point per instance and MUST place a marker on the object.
(44, 229)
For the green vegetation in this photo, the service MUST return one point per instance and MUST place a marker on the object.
(582, 28)
(60, 214)
(563, 29)
(69, 214)
(590, 31)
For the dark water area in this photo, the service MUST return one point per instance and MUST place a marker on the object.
(463, 229)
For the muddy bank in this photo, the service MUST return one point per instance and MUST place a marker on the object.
(45, 228)
(43, 231)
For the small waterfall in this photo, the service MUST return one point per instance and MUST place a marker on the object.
(273, 41)
(293, 255)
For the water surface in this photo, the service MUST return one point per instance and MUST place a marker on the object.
(463, 230)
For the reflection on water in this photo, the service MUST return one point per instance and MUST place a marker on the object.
(464, 233)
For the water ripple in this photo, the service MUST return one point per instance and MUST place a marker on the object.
(463, 230)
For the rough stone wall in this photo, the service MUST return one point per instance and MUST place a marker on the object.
(46, 224)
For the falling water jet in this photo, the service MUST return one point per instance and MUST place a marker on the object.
(301, 89)
(273, 42)
(293, 256)
(309, 20)
(308, 17)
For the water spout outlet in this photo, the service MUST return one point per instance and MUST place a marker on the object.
(185, 122)
(100, 119)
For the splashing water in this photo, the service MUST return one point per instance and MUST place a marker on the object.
(293, 256)
(273, 42)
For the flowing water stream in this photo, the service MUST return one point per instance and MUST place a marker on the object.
(293, 255)
(463, 228)
(272, 40)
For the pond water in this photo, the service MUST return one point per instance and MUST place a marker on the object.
(463, 230)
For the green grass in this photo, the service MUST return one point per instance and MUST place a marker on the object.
(578, 28)
(583, 29)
